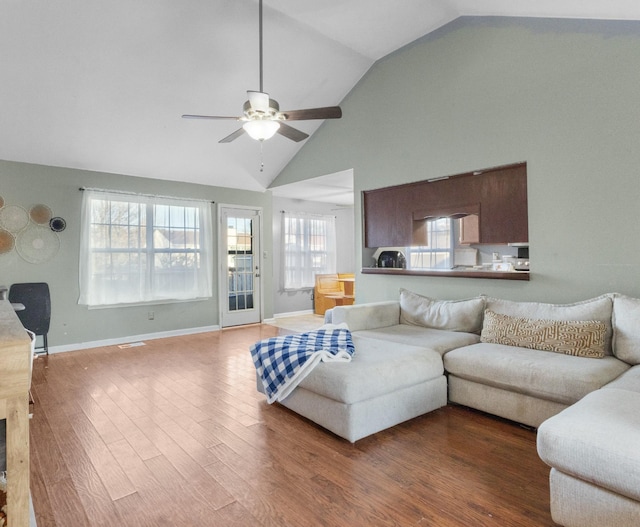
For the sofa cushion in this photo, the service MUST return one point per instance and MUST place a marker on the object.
(596, 440)
(377, 368)
(626, 329)
(449, 315)
(551, 376)
(436, 339)
(599, 308)
(629, 380)
(367, 316)
(583, 338)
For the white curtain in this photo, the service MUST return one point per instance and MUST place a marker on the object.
(308, 248)
(138, 248)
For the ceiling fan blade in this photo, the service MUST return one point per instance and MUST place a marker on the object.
(188, 116)
(259, 101)
(232, 136)
(291, 133)
(328, 112)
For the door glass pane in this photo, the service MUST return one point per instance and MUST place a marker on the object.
(240, 263)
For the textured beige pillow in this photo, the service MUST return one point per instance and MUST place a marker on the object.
(450, 315)
(599, 308)
(582, 338)
(626, 328)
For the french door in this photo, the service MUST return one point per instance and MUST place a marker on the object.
(240, 284)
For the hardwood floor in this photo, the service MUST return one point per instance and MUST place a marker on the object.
(174, 433)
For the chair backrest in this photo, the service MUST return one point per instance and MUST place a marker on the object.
(327, 282)
(35, 297)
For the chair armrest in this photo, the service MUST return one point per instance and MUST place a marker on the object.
(367, 316)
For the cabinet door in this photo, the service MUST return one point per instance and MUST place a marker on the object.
(387, 219)
(469, 229)
(504, 216)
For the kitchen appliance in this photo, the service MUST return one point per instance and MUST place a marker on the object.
(522, 261)
(393, 259)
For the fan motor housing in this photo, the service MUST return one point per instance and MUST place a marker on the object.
(272, 112)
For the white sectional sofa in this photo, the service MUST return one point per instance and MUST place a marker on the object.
(593, 446)
(530, 385)
(374, 391)
(522, 384)
(570, 370)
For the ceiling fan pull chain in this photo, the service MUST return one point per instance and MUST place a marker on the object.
(261, 157)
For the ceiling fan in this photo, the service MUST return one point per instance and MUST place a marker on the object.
(262, 116)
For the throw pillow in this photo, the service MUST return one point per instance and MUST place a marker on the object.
(450, 315)
(626, 329)
(599, 308)
(582, 338)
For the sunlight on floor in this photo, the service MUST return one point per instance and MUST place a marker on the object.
(299, 323)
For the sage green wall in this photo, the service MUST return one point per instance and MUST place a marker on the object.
(561, 95)
(27, 184)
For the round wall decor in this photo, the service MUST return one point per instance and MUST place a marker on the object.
(57, 224)
(37, 244)
(13, 218)
(7, 241)
(40, 214)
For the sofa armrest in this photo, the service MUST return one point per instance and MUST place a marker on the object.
(367, 316)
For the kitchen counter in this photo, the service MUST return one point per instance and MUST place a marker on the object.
(458, 272)
(15, 365)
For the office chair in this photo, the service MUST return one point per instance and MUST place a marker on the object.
(36, 314)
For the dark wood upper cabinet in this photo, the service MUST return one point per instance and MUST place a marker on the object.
(387, 218)
(394, 216)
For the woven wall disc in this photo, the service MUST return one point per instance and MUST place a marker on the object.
(13, 218)
(37, 244)
(40, 214)
(7, 241)
(57, 224)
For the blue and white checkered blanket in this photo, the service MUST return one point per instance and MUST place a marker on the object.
(282, 362)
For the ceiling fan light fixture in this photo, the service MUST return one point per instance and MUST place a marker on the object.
(262, 116)
(261, 130)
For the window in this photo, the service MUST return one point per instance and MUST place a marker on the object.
(240, 262)
(309, 248)
(439, 253)
(137, 248)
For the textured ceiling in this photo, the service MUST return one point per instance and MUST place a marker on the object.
(102, 85)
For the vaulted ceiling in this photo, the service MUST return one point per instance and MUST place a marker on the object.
(101, 85)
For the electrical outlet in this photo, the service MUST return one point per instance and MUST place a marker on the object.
(151, 315)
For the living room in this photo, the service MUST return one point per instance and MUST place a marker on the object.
(557, 93)
(513, 89)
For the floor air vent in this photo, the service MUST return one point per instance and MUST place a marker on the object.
(131, 345)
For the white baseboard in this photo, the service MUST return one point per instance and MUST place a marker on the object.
(134, 338)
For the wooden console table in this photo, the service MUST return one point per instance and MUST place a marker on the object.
(15, 377)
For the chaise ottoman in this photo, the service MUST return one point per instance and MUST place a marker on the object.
(384, 384)
(592, 449)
